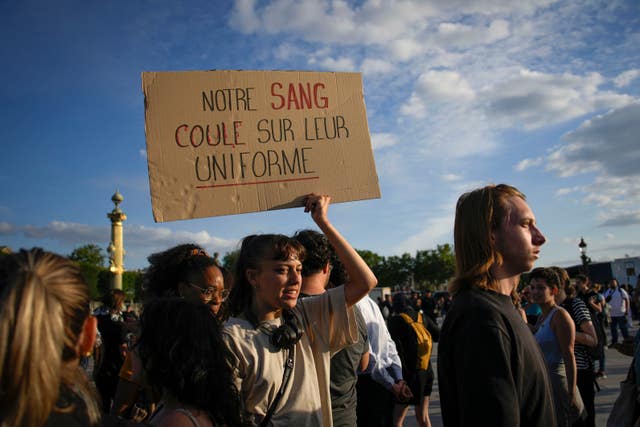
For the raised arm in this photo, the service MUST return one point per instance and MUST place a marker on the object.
(361, 278)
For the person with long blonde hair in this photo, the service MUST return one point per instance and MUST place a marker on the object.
(45, 327)
(490, 368)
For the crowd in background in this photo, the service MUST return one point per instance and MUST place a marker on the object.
(289, 337)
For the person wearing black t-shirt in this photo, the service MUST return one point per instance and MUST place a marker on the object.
(490, 368)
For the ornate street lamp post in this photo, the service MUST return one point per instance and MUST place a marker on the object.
(583, 256)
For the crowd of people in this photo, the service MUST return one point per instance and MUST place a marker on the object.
(291, 337)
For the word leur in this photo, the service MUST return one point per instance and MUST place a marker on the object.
(290, 96)
(268, 130)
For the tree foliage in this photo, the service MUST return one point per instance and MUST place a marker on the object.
(88, 254)
(429, 269)
(229, 260)
(434, 267)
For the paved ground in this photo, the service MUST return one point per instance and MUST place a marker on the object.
(617, 366)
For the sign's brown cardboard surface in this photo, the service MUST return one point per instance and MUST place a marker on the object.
(228, 142)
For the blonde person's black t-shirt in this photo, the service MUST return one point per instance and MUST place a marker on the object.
(490, 368)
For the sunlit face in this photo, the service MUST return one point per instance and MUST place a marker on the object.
(276, 284)
(206, 289)
(518, 239)
(541, 293)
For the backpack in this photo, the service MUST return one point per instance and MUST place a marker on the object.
(425, 343)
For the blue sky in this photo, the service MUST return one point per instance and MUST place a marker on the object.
(541, 94)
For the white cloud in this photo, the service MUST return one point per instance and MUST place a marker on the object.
(383, 140)
(607, 142)
(607, 146)
(139, 239)
(165, 237)
(404, 49)
(567, 190)
(438, 86)
(528, 163)
(337, 64)
(376, 66)
(436, 231)
(286, 51)
(5, 228)
(414, 107)
(67, 232)
(400, 24)
(244, 18)
(451, 177)
(464, 36)
(534, 99)
(143, 153)
(624, 79)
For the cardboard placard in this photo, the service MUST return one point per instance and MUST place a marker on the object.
(228, 142)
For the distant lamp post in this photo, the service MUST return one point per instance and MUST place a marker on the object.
(583, 256)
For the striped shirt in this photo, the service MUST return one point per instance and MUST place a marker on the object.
(579, 313)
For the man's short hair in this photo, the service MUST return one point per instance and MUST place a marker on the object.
(318, 250)
(549, 275)
(478, 213)
(582, 278)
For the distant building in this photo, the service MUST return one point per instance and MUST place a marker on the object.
(625, 270)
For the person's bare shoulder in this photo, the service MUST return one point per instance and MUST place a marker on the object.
(179, 419)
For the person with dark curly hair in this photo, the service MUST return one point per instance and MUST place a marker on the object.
(317, 267)
(184, 358)
(184, 271)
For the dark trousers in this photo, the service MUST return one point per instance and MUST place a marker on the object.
(621, 322)
(375, 403)
(586, 387)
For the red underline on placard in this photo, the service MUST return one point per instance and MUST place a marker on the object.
(257, 182)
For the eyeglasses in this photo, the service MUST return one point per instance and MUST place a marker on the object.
(210, 291)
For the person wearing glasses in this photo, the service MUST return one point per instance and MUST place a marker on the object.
(209, 290)
(185, 271)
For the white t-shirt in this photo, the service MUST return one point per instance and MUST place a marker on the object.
(259, 366)
(617, 304)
